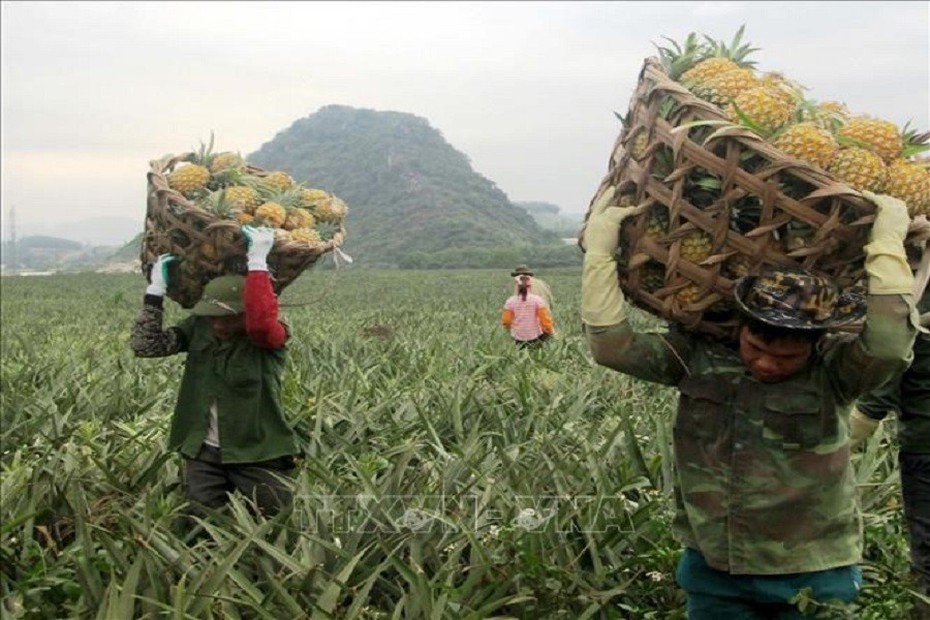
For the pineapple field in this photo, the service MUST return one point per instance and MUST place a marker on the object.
(445, 474)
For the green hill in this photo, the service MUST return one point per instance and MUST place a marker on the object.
(549, 217)
(414, 200)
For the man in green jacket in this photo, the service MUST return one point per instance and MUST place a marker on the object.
(765, 494)
(228, 422)
(908, 395)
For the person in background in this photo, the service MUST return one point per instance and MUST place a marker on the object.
(228, 422)
(908, 395)
(765, 494)
(526, 315)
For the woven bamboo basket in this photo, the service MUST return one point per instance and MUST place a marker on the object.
(763, 209)
(208, 246)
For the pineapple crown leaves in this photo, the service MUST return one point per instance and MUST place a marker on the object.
(737, 51)
(914, 142)
(204, 154)
(677, 59)
(286, 198)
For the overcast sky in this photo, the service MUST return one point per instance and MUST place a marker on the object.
(527, 90)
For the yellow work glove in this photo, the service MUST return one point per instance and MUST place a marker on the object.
(861, 427)
(601, 299)
(885, 259)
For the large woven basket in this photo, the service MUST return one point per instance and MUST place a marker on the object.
(765, 208)
(207, 245)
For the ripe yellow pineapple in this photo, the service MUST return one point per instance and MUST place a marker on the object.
(272, 214)
(189, 179)
(306, 235)
(688, 294)
(881, 137)
(910, 182)
(278, 181)
(243, 198)
(298, 218)
(808, 142)
(244, 218)
(333, 210)
(224, 161)
(308, 198)
(696, 246)
(763, 106)
(859, 168)
(722, 88)
(706, 70)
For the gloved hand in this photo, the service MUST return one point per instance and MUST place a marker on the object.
(861, 427)
(885, 259)
(259, 243)
(158, 279)
(601, 299)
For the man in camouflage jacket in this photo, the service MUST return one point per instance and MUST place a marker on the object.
(765, 494)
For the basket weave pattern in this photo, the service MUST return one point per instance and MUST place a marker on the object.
(206, 245)
(776, 194)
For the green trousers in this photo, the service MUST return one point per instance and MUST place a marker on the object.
(718, 595)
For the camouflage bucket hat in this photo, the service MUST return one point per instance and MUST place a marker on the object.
(522, 270)
(797, 299)
(222, 296)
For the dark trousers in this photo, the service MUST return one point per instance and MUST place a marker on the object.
(915, 487)
(531, 344)
(208, 482)
(718, 595)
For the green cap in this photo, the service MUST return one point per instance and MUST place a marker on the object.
(522, 270)
(222, 296)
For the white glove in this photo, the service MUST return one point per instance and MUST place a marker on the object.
(885, 259)
(601, 299)
(259, 243)
(158, 279)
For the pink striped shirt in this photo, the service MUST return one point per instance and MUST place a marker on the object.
(525, 324)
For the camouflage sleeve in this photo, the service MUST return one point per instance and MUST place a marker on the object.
(881, 352)
(148, 338)
(657, 357)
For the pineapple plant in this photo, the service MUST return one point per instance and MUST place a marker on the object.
(808, 142)
(859, 168)
(719, 58)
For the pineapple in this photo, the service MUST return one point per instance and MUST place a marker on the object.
(721, 89)
(278, 181)
(763, 106)
(881, 137)
(306, 235)
(910, 182)
(859, 168)
(244, 218)
(189, 179)
(657, 225)
(298, 218)
(688, 294)
(224, 161)
(333, 210)
(736, 266)
(652, 276)
(308, 198)
(696, 246)
(722, 58)
(243, 198)
(272, 214)
(808, 142)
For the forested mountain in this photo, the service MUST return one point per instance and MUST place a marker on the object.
(414, 200)
(550, 217)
